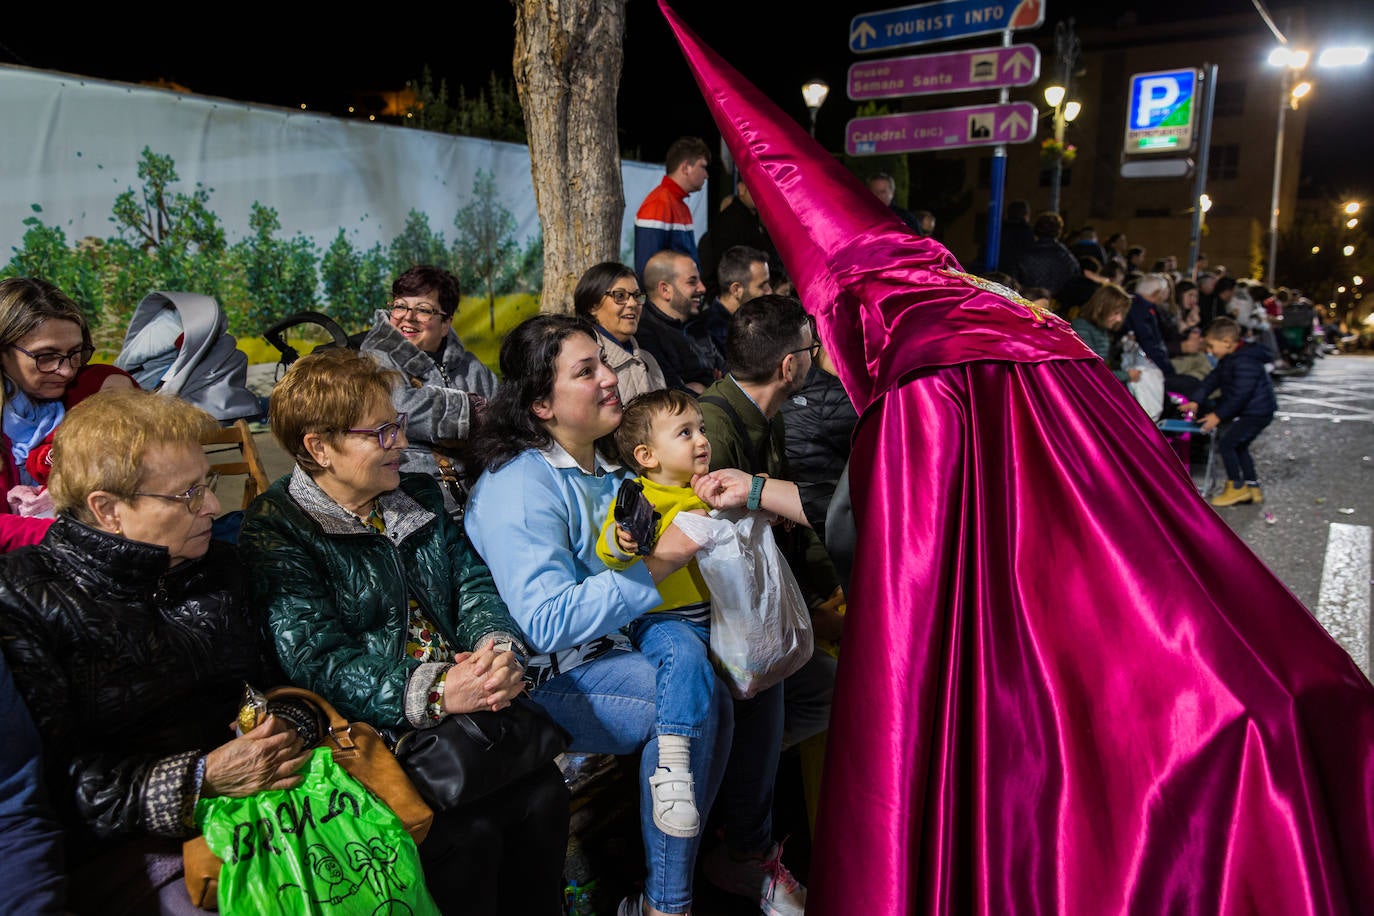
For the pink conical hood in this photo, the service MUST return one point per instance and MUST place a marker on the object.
(887, 301)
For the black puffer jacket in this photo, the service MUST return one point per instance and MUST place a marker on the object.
(820, 422)
(130, 670)
(1047, 264)
(1246, 390)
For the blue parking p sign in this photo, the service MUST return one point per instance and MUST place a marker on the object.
(1162, 112)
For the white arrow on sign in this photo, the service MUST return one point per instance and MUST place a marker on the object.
(863, 34)
(1016, 63)
(1015, 122)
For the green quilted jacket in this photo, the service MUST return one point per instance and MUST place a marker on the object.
(336, 592)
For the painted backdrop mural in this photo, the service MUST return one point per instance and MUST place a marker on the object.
(113, 190)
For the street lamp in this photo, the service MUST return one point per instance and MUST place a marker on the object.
(1294, 61)
(814, 93)
(1066, 49)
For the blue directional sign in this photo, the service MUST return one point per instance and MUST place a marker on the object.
(1161, 114)
(943, 20)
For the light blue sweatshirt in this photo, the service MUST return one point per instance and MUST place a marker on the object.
(536, 522)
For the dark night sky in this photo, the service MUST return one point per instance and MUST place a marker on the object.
(286, 59)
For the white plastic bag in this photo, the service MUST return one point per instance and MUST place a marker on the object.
(1149, 390)
(760, 626)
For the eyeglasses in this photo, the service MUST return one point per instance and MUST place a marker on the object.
(51, 362)
(622, 296)
(386, 433)
(194, 498)
(814, 350)
(421, 312)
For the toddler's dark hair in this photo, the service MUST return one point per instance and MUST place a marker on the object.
(636, 425)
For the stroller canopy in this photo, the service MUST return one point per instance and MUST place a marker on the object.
(179, 343)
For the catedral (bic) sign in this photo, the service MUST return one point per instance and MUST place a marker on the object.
(974, 125)
(1162, 113)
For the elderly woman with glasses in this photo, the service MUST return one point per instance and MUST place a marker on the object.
(130, 641)
(443, 384)
(608, 294)
(378, 602)
(45, 359)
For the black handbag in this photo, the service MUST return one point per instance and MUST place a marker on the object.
(468, 756)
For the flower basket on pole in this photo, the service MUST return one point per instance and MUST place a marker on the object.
(1052, 150)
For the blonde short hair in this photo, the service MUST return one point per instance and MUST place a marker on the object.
(101, 443)
(326, 392)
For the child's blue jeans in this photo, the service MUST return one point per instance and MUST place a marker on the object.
(686, 680)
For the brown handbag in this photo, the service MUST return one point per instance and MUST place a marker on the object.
(361, 751)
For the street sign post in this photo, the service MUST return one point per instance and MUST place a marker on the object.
(1161, 114)
(950, 128)
(954, 71)
(943, 20)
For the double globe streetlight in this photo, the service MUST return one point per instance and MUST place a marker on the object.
(1067, 49)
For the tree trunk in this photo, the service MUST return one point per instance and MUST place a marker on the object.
(568, 58)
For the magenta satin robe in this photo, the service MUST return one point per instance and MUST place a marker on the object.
(1065, 686)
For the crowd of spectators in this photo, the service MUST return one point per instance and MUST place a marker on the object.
(433, 553)
(447, 542)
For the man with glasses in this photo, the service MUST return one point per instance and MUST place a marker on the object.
(444, 385)
(772, 345)
(663, 221)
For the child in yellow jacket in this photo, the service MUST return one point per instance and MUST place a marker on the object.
(663, 437)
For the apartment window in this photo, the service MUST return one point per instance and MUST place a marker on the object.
(1223, 163)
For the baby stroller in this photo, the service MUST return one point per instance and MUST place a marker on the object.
(1297, 342)
(179, 343)
(276, 336)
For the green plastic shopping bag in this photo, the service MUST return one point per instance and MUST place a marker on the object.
(328, 846)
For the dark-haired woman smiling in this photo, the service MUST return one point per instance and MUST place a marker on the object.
(535, 516)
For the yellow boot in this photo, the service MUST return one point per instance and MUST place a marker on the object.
(1232, 496)
(1256, 495)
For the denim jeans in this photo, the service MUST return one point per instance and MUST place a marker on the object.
(686, 679)
(1234, 446)
(608, 706)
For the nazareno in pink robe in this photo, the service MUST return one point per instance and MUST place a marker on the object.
(1065, 686)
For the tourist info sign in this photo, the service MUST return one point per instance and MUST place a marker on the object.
(944, 20)
(1161, 114)
(950, 128)
(952, 71)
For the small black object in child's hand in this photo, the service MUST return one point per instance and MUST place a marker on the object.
(636, 515)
